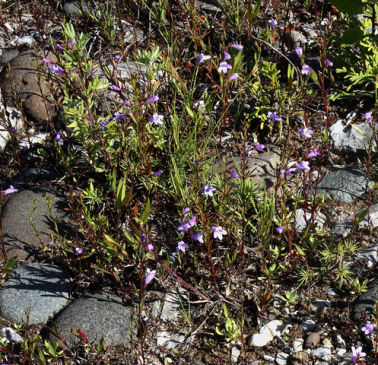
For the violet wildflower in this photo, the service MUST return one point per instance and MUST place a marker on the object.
(368, 329)
(233, 174)
(274, 116)
(72, 41)
(143, 238)
(202, 57)
(58, 47)
(55, 69)
(183, 227)
(357, 353)
(233, 76)
(287, 172)
(272, 23)
(304, 165)
(239, 47)
(157, 173)
(57, 137)
(306, 69)
(156, 119)
(218, 232)
(153, 99)
(118, 116)
(226, 55)
(249, 149)
(79, 250)
(367, 116)
(315, 152)
(198, 162)
(181, 246)
(192, 222)
(149, 276)
(305, 132)
(149, 247)
(260, 147)
(328, 62)
(299, 51)
(10, 190)
(116, 88)
(126, 103)
(104, 123)
(46, 60)
(118, 56)
(208, 190)
(186, 211)
(280, 229)
(197, 237)
(223, 67)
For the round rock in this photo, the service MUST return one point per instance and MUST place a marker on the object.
(42, 288)
(96, 314)
(24, 80)
(19, 238)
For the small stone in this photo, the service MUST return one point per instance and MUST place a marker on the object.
(320, 305)
(235, 353)
(24, 145)
(307, 326)
(322, 353)
(312, 340)
(327, 342)
(340, 352)
(330, 291)
(269, 357)
(298, 345)
(278, 328)
(298, 358)
(262, 338)
(7, 333)
(155, 310)
(164, 338)
(172, 304)
(339, 340)
(281, 358)
(285, 311)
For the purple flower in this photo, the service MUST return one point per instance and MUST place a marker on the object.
(183, 227)
(367, 116)
(280, 229)
(57, 137)
(156, 119)
(226, 55)
(315, 152)
(192, 222)
(233, 76)
(126, 103)
(116, 88)
(218, 232)
(299, 51)
(157, 173)
(198, 162)
(143, 238)
(149, 276)
(272, 23)
(239, 47)
(104, 123)
(149, 247)
(46, 60)
(249, 148)
(260, 147)
(274, 116)
(55, 69)
(306, 69)
(202, 57)
(72, 41)
(197, 237)
(118, 56)
(10, 190)
(208, 190)
(186, 211)
(287, 172)
(357, 353)
(181, 246)
(303, 166)
(329, 63)
(368, 329)
(305, 132)
(79, 250)
(233, 174)
(118, 116)
(58, 47)
(223, 67)
(153, 99)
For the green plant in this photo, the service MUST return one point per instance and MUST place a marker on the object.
(232, 330)
(290, 297)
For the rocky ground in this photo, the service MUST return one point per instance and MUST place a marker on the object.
(318, 326)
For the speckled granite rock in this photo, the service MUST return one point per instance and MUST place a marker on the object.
(42, 288)
(96, 314)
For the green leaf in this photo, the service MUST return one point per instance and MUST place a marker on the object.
(9, 266)
(358, 218)
(352, 36)
(350, 7)
(146, 213)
